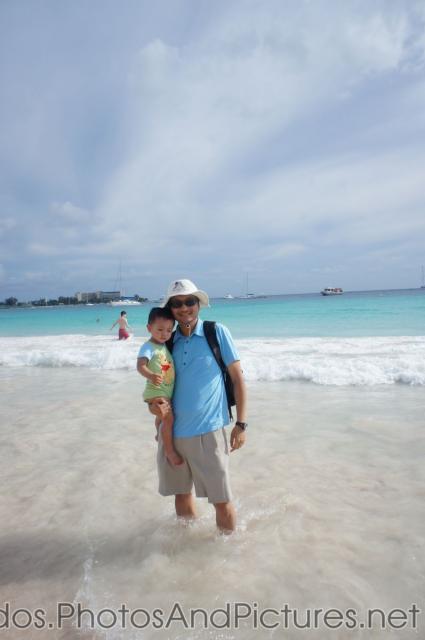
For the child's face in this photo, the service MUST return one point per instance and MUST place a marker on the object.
(161, 329)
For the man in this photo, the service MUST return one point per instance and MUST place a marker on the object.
(201, 410)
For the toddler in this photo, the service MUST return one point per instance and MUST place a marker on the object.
(155, 363)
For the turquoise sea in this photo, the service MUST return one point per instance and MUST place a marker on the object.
(363, 338)
(369, 313)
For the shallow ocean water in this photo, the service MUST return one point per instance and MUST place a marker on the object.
(329, 491)
(354, 314)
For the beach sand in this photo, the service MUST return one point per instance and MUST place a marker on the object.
(329, 491)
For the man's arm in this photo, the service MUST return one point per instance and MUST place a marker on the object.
(238, 436)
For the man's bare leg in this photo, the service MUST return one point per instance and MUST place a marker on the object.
(185, 505)
(225, 516)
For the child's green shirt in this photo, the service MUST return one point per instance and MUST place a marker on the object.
(160, 361)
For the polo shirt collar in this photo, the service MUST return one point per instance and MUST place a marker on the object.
(199, 331)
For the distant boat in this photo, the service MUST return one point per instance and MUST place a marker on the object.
(250, 296)
(124, 303)
(423, 278)
(228, 296)
(331, 291)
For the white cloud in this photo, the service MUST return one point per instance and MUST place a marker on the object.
(236, 134)
(282, 250)
(378, 43)
(36, 276)
(69, 212)
(6, 224)
(40, 249)
(203, 109)
(372, 191)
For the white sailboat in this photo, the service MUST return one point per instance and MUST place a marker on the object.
(125, 302)
(122, 302)
(423, 278)
(250, 296)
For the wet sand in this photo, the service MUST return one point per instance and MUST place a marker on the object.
(329, 491)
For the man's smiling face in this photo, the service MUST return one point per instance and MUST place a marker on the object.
(185, 309)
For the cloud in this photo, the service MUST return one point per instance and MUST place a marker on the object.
(259, 130)
(40, 249)
(206, 115)
(69, 212)
(6, 224)
(36, 276)
(284, 250)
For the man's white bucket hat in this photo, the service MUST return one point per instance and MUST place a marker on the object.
(185, 288)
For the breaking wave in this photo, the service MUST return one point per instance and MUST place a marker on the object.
(323, 361)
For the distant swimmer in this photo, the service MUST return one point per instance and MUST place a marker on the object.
(123, 332)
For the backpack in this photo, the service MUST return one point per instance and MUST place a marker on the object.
(211, 338)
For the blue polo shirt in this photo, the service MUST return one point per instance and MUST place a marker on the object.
(199, 399)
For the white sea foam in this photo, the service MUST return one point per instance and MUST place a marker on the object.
(324, 361)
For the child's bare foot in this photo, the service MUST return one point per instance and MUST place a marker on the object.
(174, 458)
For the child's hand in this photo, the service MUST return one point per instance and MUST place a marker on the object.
(156, 379)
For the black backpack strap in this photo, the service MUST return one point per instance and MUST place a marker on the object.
(211, 337)
(170, 342)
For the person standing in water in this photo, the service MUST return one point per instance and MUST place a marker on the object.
(123, 332)
(200, 410)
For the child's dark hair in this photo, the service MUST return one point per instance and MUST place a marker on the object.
(160, 312)
(123, 313)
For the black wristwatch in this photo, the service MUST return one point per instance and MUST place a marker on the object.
(241, 425)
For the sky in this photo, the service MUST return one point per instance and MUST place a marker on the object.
(276, 140)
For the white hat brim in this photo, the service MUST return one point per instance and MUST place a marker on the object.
(202, 296)
(184, 286)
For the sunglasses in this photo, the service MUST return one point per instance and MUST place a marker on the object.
(177, 304)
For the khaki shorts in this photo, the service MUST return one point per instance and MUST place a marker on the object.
(206, 465)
